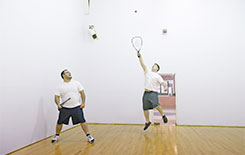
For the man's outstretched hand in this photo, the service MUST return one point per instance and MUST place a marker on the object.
(138, 54)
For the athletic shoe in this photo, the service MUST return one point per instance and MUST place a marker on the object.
(90, 139)
(55, 139)
(165, 119)
(147, 125)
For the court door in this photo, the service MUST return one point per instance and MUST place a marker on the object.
(167, 100)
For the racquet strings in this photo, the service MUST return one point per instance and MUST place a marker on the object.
(137, 43)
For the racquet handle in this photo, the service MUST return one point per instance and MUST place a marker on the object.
(138, 55)
(61, 104)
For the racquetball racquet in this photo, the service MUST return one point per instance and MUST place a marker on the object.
(137, 43)
(61, 104)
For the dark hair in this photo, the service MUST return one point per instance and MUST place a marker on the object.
(63, 73)
(157, 66)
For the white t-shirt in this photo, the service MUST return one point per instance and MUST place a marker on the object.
(152, 80)
(70, 90)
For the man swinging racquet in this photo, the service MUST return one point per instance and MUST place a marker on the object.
(151, 85)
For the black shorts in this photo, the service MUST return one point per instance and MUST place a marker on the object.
(75, 113)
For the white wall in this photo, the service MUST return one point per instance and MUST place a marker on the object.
(204, 46)
(209, 49)
(38, 39)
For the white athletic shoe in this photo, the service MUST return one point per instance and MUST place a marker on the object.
(55, 139)
(90, 139)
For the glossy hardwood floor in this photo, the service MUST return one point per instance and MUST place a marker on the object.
(132, 140)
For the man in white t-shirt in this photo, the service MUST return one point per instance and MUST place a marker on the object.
(72, 94)
(150, 98)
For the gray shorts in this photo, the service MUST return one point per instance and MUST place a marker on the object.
(150, 100)
(75, 113)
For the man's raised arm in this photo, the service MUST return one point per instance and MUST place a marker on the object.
(141, 62)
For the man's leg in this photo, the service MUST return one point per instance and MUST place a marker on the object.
(160, 110)
(84, 127)
(86, 131)
(164, 117)
(148, 123)
(58, 129)
(146, 113)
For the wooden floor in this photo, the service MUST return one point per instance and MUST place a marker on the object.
(132, 140)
